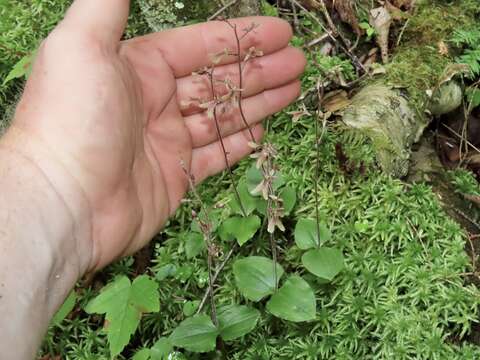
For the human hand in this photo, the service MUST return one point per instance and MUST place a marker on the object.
(101, 117)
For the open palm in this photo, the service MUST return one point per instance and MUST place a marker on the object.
(111, 117)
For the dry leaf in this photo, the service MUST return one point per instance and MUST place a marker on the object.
(395, 12)
(348, 14)
(297, 115)
(335, 101)
(377, 69)
(381, 21)
(370, 59)
(310, 4)
(452, 70)
(406, 4)
(442, 48)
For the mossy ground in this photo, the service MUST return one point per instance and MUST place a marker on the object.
(402, 295)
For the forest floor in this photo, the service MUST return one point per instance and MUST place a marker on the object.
(409, 285)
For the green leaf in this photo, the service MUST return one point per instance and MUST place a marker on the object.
(269, 10)
(143, 354)
(294, 301)
(306, 234)
(161, 349)
(255, 276)
(65, 309)
(289, 197)
(254, 177)
(287, 194)
(21, 68)
(196, 334)
(325, 262)
(184, 272)
(194, 244)
(235, 321)
(241, 228)
(248, 201)
(212, 215)
(473, 96)
(165, 271)
(190, 307)
(123, 303)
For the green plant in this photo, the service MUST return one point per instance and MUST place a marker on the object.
(123, 303)
(469, 41)
(400, 293)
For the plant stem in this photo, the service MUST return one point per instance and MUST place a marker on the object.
(211, 282)
(317, 160)
(207, 235)
(240, 81)
(252, 137)
(215, 276)
(224, 150)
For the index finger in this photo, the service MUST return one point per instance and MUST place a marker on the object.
(190, 48)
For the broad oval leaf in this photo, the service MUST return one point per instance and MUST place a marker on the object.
(143, 354)
(255, 177)
(161, 349)
(196, 334)
(306, 234)
(294, 301)
(288, 196)
(255, 276)
(235, 321)
(240, 228)
(194, 244)
(325, 262)
(190, 307)
(248, 201)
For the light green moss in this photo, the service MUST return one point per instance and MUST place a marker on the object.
(162, 14)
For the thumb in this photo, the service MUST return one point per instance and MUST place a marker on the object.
(105, 20)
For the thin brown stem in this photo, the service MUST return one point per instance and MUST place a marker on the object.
(317, 174)
(240, 80)
(207, 235)
(224, 150)
(218, 270)
(252, 137)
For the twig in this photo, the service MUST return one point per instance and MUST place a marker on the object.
(402, 31)
(343, 45)
(474, 254)
(317, 40)
(296, 23)
(460, 136)
(330, 23)
(222, 9)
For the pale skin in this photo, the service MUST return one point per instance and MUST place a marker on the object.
(91, 167)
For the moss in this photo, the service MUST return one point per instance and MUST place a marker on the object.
(417, 64)
(161, 14)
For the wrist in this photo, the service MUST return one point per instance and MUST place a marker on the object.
(44, 239)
